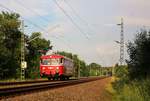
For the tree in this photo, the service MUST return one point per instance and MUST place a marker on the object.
(83, 69)
(33, 54)
(10, 47)
(94, 69)
(9, 44)
(139, 53)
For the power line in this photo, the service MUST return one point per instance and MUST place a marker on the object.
(67, 42)
(22, 17)
(76, 14)
(80, 18)
(46, 20)
(74, 11)
(37, 26)
(70, 18)
(35, 13)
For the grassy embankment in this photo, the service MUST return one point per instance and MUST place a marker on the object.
(134, 91)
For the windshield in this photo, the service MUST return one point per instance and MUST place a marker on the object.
(45, 62)
(54, 61)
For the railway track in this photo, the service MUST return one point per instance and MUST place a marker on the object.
(24, 82)
(4, 92)
(21, 82)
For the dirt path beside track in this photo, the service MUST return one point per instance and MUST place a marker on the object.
(91, 91)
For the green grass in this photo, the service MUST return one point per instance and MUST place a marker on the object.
(134, 91)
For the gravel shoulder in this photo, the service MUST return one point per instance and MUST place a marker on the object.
(91, 91)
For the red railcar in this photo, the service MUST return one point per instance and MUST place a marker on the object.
(56, 67)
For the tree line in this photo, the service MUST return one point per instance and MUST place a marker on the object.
(92, 69)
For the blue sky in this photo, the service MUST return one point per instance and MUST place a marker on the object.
(96, 18)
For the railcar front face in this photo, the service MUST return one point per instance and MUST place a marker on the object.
(51, 66)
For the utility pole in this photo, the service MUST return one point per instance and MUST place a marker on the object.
(89, 70)
(113, 70)
(23, 63)
(79, 70)
(99, 71)
(121, 42)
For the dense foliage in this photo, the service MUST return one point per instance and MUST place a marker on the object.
(34, 50)
(10, 48)
(94, 69)
(9, 44)
(139, 52)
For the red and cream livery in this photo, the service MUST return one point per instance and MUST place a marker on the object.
(56, 67)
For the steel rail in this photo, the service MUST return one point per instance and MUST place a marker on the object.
(21, 82)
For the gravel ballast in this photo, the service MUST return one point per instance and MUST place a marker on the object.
(90, 91)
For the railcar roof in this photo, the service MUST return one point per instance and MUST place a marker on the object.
(52, 56)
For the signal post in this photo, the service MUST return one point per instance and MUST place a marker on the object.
(23, 62)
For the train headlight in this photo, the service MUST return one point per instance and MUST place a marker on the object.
(43, 68)
(50, 67)
(57, 70)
